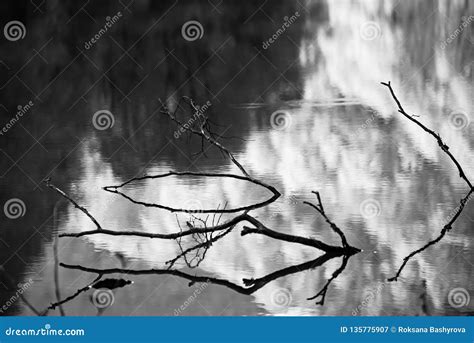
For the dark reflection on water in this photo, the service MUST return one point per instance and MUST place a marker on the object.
(386, 183)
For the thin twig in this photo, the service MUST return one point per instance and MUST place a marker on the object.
(333, 226)
(79, 291)
(443, 146)
(443, 232)
(76, 205)
(323, 291)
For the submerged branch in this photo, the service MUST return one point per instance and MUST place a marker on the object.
(174, 235)
(333, 226)
(462, 175)
(276, 194)
(76, 205)
(443, 232)
(254, 284)
(263, 230)
(203, 132)
(323, 291)
(79, 291)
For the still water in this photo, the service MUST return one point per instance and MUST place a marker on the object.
(382, 180)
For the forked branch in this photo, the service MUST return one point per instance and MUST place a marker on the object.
(319, 207)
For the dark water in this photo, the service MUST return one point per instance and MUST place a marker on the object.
(384, 182)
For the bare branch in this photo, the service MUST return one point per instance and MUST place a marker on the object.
(262, 229)
(323, 291)
(76, 205)
(463, 176)
(443, 146)
(174, 235)
(276, 194)
(78, 292)
(202, 132)
(320, 209)
(255, 284)
(444, 231)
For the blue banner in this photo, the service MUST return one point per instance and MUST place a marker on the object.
(237, 329)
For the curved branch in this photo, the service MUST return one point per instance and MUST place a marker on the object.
(443, 146)
(444, 231)
(76, 205)
(333, 226)
(174, 235)
(276, 194)
(462, 175)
